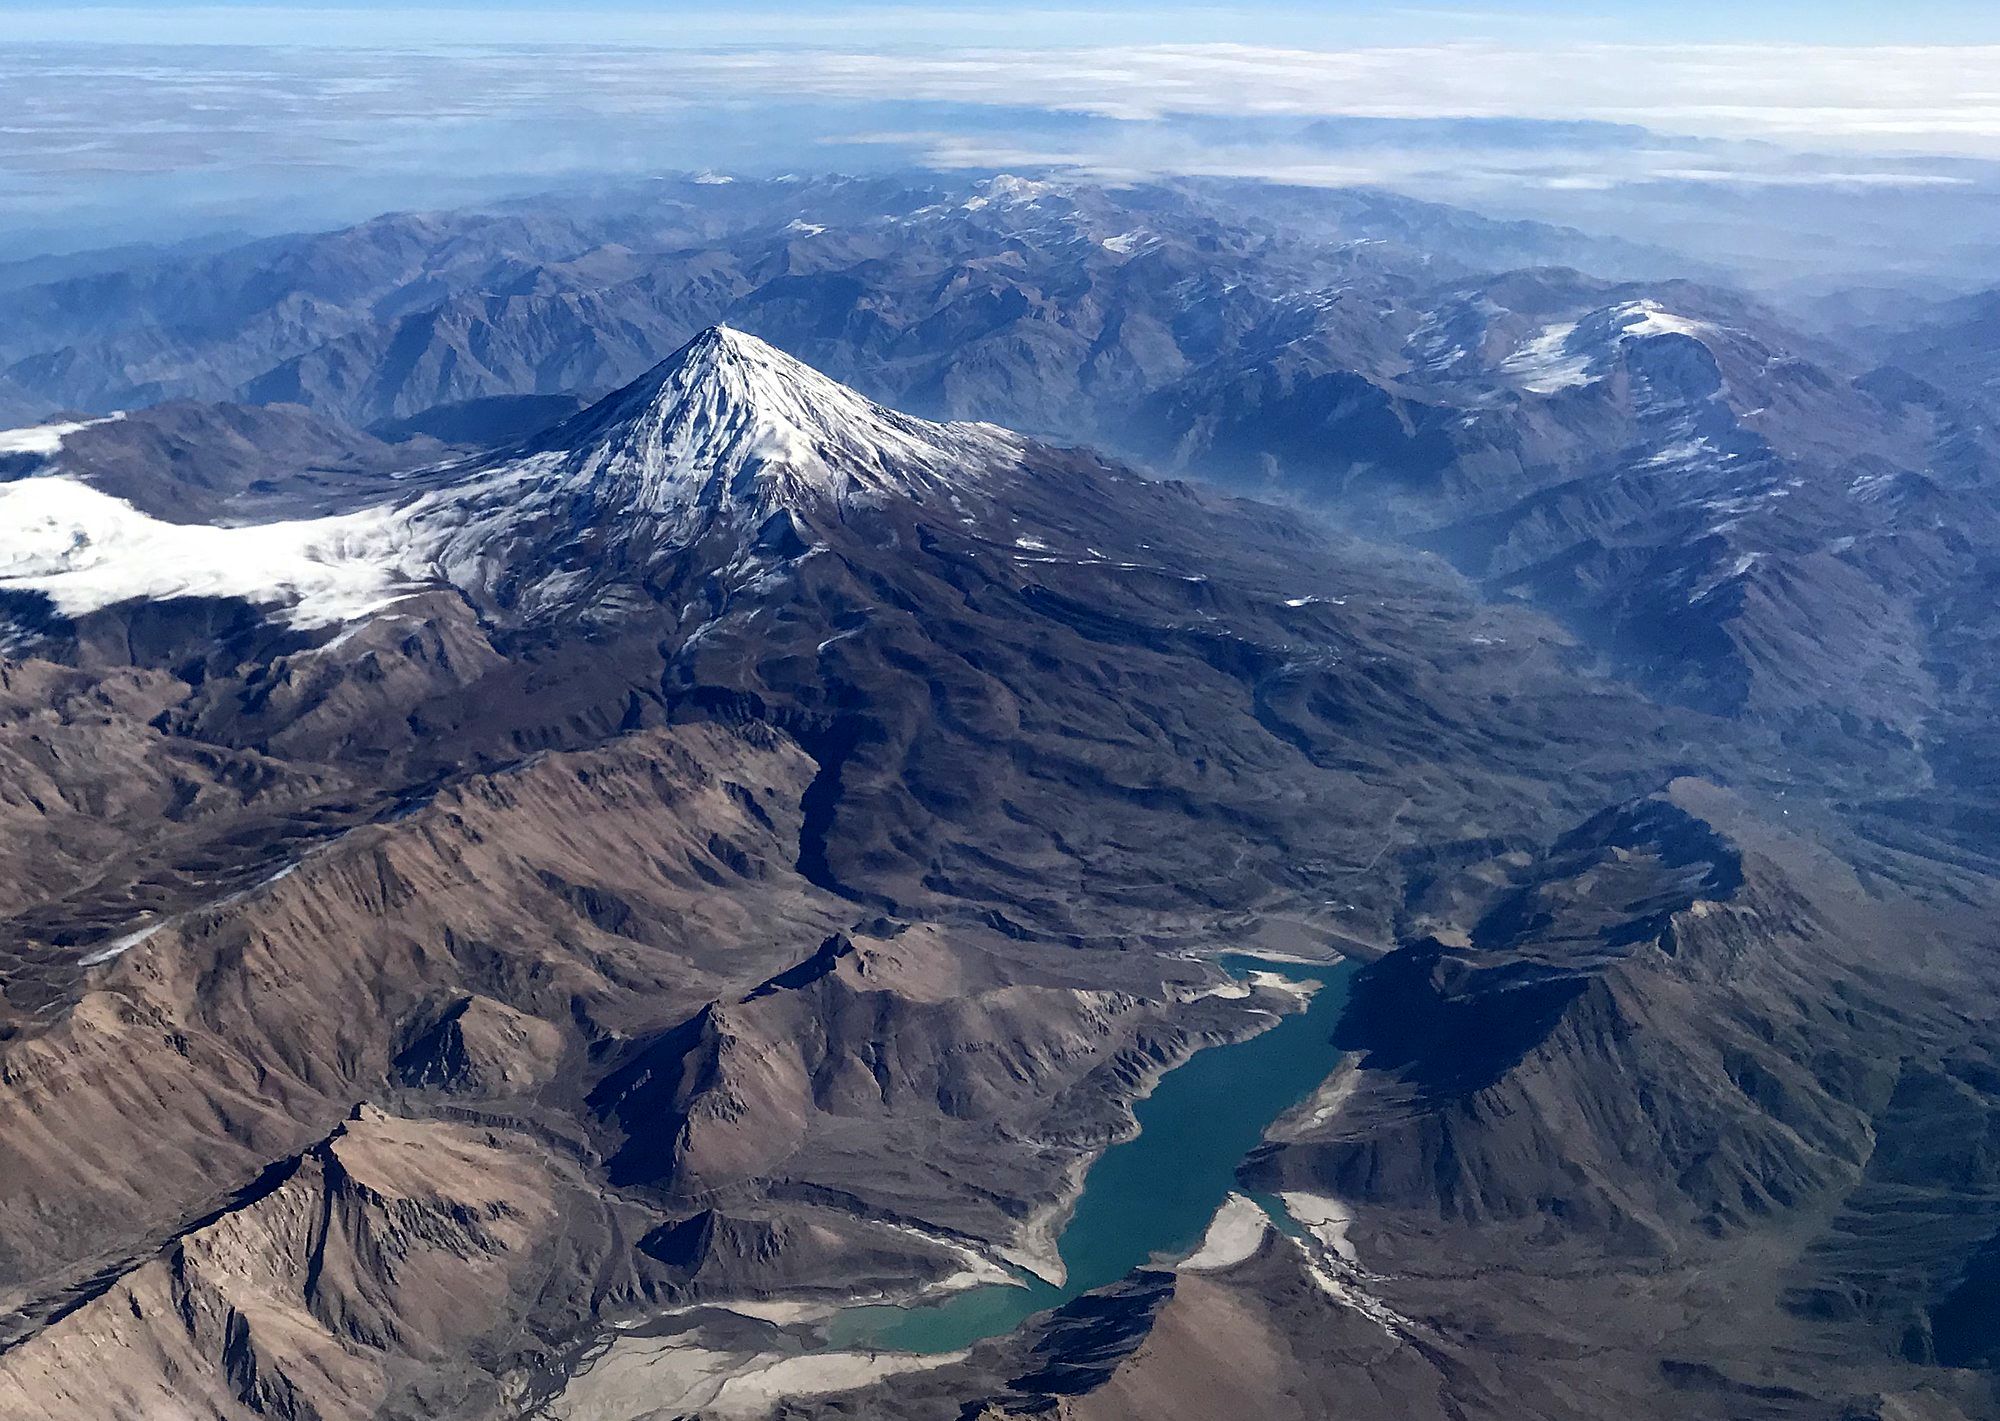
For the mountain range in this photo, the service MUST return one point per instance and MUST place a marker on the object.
(1633, 456)
(525, 907)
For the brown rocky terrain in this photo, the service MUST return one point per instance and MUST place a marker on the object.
(744, 865)
(1648, 1121)
(354, 1280)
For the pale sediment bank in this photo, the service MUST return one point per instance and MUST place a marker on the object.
(1249, 984)
(1324, 1105)
(1235, 1233)
(1300, 991)
(1037, 1247)
(975, 1269)
(670, 1376)
(1327, 1220)
(1151, 1196)
(778, 1313)
(1164, 1191)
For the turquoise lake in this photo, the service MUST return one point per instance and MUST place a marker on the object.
(1156, 1192)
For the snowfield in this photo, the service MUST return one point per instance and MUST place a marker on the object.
(728, 427)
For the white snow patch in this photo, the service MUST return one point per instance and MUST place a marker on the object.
(1649, 318)
(1686, 452)
(1559, 358)
(740, 416)
(347, 635)
(1546, 364)
(1007, 187)
(86, 550)
(1125, 243)
(1742, 565)
(45, 438)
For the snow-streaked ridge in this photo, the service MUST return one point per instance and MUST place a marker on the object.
(1567, 354)
(1545, 364)
(727, 429)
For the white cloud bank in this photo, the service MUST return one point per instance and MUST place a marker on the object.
(1933, 99)
(199, 137)
(1937, 99)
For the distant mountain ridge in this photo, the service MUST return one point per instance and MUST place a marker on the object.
(408, 311)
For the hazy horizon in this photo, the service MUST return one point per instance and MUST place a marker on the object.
(173, 121)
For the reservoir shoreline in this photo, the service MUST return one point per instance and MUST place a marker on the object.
(1153, 1195)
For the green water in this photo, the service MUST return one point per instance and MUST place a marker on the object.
(1152, 1194)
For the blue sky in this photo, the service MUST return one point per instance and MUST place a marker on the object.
(1061, 21)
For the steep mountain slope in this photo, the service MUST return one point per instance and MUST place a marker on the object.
(347, 1285)
(1725, 508)
(196, 463)
(710, 796)
(760, 843)
(739, 536)
(1747, 1124)
(1668, 1118)
(1953, 345)
(1718, 503)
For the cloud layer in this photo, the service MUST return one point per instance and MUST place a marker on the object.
(1932, 99)
(98, 135)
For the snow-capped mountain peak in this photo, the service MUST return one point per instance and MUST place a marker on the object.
(723, 433)
(731, 420)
